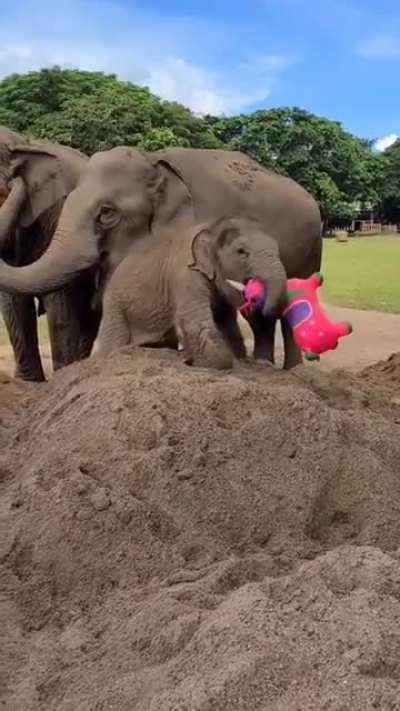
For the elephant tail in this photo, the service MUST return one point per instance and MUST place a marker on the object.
(315, 258)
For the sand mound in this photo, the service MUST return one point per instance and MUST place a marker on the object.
(385, 376)
(181, 539)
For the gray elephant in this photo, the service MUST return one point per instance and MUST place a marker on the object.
(124, 195)
(174, 288)
(40, 176)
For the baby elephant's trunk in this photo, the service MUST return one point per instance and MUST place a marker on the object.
(275, 280)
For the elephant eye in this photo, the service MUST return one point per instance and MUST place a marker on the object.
(243, 252)
(108, 216)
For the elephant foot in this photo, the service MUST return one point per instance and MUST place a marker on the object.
(214, 355)
(234, 342)
(217, 359)
(265, 362)
(292, 362)
(184, 350)
(62, 361)
(204, 348)
(187, 357)
(59, 364)
(240, 352)
(215, 362)
(30, 376)
(263, 352)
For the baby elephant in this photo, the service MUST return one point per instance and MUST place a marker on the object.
(173, 288)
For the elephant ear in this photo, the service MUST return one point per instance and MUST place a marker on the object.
(202, 253)
(171, 197)
(45, 179)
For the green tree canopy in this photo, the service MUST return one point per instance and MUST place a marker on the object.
(93, 111)
(389, 183)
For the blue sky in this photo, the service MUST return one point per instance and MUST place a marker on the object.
(338, 58)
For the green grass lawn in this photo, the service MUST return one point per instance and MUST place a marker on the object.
(363, 273)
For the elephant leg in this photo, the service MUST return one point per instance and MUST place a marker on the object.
(226, 319)
(19, 315)
(73, 324)
(114, 330)
(55, 308)
(264, 337)
(293, 355)
(203, 344)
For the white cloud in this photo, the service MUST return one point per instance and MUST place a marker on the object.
(383, 47)
(178, 80)
(162, 53)
(385, 142)
(213, 92)
(19, 58)
(15, 53)
(267, 63)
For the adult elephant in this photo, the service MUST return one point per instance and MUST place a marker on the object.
(123, 195)
(41, 175)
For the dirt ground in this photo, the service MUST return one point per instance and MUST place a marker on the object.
(176, 539)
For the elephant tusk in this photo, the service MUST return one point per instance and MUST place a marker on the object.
(237, 285)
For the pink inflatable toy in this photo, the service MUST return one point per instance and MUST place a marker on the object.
(313, 332)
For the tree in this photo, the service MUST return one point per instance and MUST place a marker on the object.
(108, 117)
(93, 111)
(333, 203)
(389, 184)
(26, 98)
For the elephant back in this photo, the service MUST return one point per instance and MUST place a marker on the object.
(231, 184)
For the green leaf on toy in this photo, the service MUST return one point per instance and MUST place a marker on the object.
(292, 294)
(311, 356)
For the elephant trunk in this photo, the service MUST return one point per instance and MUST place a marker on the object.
(271, 272)
(10, 208)
(72, 250)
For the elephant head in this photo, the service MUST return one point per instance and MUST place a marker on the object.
(35, 176)
(238, 249)
(121, 195)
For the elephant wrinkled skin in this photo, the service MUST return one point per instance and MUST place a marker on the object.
(124, 195)
(175, 288)
(35, 178)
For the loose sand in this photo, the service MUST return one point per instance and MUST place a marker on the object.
(175, 539)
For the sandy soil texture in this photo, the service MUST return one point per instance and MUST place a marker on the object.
(178, 539)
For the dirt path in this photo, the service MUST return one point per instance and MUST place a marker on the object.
(376, 336)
